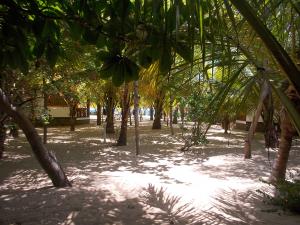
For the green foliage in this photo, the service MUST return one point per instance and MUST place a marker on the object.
(198, 107)
(45, 118)
(119, 68)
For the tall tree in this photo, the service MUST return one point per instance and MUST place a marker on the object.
(122, 140)
(287, 132)
(110, 103)
(136, 117)
(46, 158)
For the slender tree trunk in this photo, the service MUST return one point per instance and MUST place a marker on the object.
(158, 106)
(271, 138)
(225, 124)
(33, 107)
(73, 116)
(88, 107)
(265, 89)
(2, 139)
(99, 108)
(46, 158)
(110, 107)
(151, 113)
(175, 117)
(130, 119)
(45, 126)
(102, 116)
(110, 129)
(286, 137)
(136, 118)
(182, 114)
(166, 118)
(280, 164)
(125, 111)
(171, 115)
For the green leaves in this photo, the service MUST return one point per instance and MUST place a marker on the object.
(120, 69)
(166, 60)
(52, 53)
(15, 49)
(47, 34)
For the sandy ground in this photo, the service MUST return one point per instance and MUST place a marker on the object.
(212, 184)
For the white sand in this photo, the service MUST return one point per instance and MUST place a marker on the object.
(213, 184)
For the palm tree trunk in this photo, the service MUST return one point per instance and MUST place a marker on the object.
(225, 124)
(33, 107)
(286, 137)
(45, 127)
(88, 107)
(136, 118)
(181, 108)
(280, 164)
(175, 116)
(171, 115)
(72, 116)
(130, 115)
(122, 140)
(271, 138)
(158, 106)
(99, 108)
(46, 158)
(110, 129)
(2, 139)
(265, 90)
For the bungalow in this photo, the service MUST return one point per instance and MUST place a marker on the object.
(59, 111)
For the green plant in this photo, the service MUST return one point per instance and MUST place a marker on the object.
(45, 118)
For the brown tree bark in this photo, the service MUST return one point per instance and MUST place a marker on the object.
(271, 138)
(175, 116)
(158, 106)
(130, 119)
(225, 124)
(88, 107)
(265, 90)
(171, 114)
(110, 129)
(45, 126)
(73, 107)
(33, 106)
(2, 139)
(110, 102)
(122, 140)
(286, 137)
(182, 113)
(136, 118)
(99, 108)
(46, 158)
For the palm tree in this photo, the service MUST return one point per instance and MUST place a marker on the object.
(122, 140)
(287, 132)
(110, 102)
